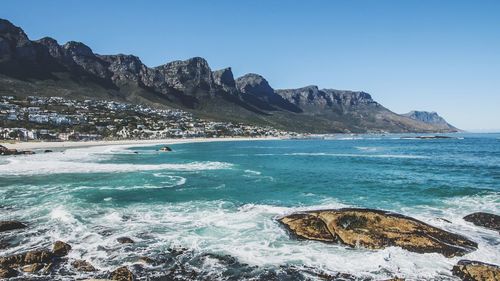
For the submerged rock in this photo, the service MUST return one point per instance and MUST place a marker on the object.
(476, 271)
(11, 225)
(125, 240)
(82, 265)
(61, 249)
(487, 220)
(122, 274)
(165, 149)
(375, 229)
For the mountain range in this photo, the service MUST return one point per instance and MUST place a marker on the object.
(44, 67)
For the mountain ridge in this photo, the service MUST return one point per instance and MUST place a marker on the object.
(45, 67)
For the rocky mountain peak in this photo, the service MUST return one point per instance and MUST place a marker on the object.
(254, 84)
(192, 75)
(224, 77)
(428, 117)
(78, 49)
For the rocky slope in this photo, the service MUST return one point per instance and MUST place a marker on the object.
(431, 118)
(44, 67)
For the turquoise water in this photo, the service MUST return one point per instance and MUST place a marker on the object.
(223, 198)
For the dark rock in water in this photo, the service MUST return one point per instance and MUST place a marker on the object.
(5, 151)
(445, 220)
(122, 274)
(61, 249)
(165, 149)
(82, 265)
(47, 151)
(375, 229)
(433, 137)
(476, 271)
(11, 225)
(7, 272)
(125, 240)
(487, 220)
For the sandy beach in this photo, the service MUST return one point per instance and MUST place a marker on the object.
(78, 144)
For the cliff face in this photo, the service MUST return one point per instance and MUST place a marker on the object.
(44, 67)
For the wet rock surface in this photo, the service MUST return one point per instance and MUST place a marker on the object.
(125, 240)
(122, 274)
(34, 261)
(11, 225)
(82, 265)
(61, 249)
(476, 271)
(375, 229)
(486, 220)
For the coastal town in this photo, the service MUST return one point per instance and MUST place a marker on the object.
(37, 118)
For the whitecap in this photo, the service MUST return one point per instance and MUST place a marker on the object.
(28, 166)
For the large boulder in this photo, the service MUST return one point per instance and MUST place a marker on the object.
(375, 229)
(122, 274)
(31, 257)
(487, 220)
(11, 225)
(60, 249)
(476, 271)
(82, 265)
(124, 240)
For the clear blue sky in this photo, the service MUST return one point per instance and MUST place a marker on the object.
(441, 56)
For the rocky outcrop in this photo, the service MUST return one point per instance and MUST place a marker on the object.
(191, 76)
(124, 240)
(256, 91)
(486, 220)
(312, 99)
(82, 265)
(375, 229)
(33, 261)
(476, 271)
(122, 274)
(225, 79)
(6, 151)
(11, 225)
(431, 118)
(60, 249)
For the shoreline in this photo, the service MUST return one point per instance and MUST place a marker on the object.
(80, 144)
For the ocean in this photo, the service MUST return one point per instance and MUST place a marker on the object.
(212, 208)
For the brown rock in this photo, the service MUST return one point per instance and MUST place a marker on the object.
(34, 267)
(82, 265)
(7, 272)
(122, 274)
(11, 225)
(61, 249)
(375, 229)
(476, 271)
(31, 257)
(125, 240)
(487, 220)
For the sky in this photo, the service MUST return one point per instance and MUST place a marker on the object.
(429, 55)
